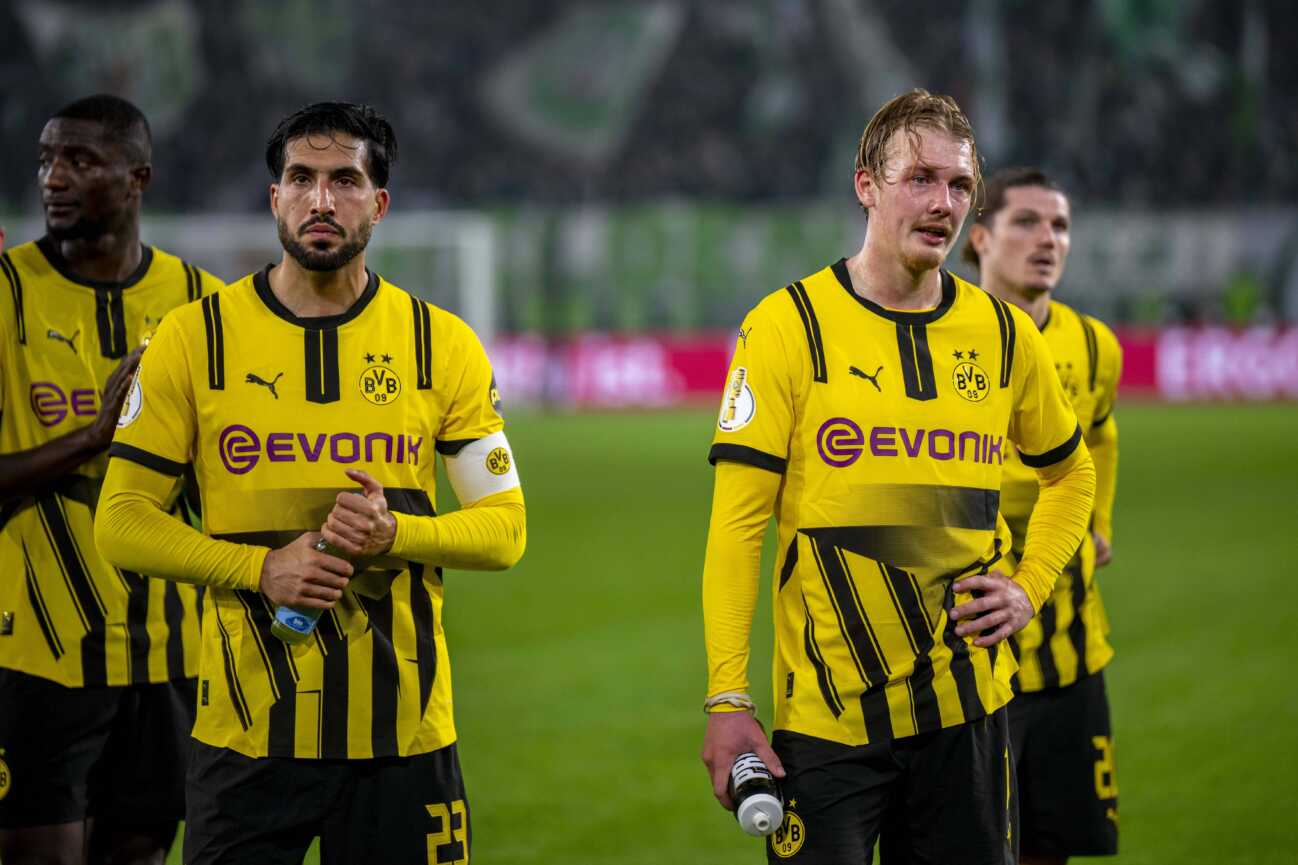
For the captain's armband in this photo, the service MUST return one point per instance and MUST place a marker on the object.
(482, 468)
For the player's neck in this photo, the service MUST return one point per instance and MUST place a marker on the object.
(1034, 301)
(313, 293)
(885, 279)
(111, 257)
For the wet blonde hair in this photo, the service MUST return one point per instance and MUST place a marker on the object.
(910, 112)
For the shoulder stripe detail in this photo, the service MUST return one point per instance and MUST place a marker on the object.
(450, 448)
(193, 281)
(146, 459)
(322, 379)
(1005, 321)
(749, 456)
(1092, 349)
(110, 316)
(1054, 455)
(1099, 421)
(812, 326)
(423, 344)
(916, 362)
(15, 288)
(215, 342)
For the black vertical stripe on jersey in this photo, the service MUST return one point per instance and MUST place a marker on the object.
(137, 625)
(215, 342)
(423, 345)
(1049, 617)
(1077, 627)
(923, 696)
(910, 607)
(856, 628)
(110, 316)
(232, 684)
(94, 658)
(966, 679)
(322, 384)
(421, 608)
(1005, 324)
(385, 690)
(173, 613)
(16, 289)
(43, 617)
(281, 738)
(790, 561)
(812, 326)
(824, 677)
(916, 362)
(193, 281)
(1092, 350)
(335, 696)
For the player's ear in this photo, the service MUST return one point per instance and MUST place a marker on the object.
(274, 198)
(141, 177)
(381, 202)
(980, 239)
(866, 191)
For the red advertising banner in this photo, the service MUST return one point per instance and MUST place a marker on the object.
(658, 370)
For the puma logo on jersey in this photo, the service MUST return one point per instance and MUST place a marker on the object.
(872, 379)
(253, 378)
(70, 340)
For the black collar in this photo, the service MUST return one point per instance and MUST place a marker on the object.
(50, 249)
(261, 282)
(900, 316)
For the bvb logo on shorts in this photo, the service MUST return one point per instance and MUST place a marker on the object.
(498, 461)
(6, 778)
(380, 385)
(788, 839)
(971, 382)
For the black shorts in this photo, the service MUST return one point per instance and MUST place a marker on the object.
(113, 753)
(948, 792)
(1063, 752)
(394, 810)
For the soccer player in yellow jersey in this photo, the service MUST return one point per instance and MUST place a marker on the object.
(1059, 720)
(871, 407)
(96, 663)
(313, 395)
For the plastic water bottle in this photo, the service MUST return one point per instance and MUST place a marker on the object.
(759, 807)
(293, 624)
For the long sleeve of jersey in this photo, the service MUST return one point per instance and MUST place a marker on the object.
(487, 535)
(134, 531)
(1058, 523)
(1103, 443)
(742, 501)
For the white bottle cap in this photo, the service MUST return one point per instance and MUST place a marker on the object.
(760, 814)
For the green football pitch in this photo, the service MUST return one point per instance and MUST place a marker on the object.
(580, 673)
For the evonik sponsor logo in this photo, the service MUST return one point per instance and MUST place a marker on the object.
(841, 441)
(51, 404)
(242, 448)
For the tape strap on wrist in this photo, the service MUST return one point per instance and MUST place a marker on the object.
(737, 699)
(482, 468)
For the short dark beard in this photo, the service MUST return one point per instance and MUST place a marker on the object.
(312, 259)
(82, 229)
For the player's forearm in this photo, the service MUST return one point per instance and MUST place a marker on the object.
(742, 500)
(25, 471)
(1103, 443)
(1058, 523)
(134, 532)
(489, 535)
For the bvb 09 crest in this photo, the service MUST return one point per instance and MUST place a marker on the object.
(6, 778)
(379, 384)
(971, 382)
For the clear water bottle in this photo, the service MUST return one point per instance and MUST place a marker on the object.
(759, 807)
(293, 624)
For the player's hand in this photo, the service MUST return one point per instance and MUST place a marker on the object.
(1103, 551)
(297, 575)
(360, 525)
(115, 391)
(730, 734)
(1003, 608)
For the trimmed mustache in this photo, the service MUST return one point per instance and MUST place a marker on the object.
(322, 220)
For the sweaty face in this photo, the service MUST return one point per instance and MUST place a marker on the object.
(1027, 239)
(918, 207)
(85, 180)
(325, 205)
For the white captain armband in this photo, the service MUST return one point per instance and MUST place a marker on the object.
(482, 468)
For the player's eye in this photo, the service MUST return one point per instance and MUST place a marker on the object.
(346, 181)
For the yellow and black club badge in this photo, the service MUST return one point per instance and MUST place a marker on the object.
(498, 461)
(788, 839)
(971, 381)
(6, 777)
(379, 382)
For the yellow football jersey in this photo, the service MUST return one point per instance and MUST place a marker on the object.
(270, 409)
(1068, 638)
(891, 430)
(66, 614)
